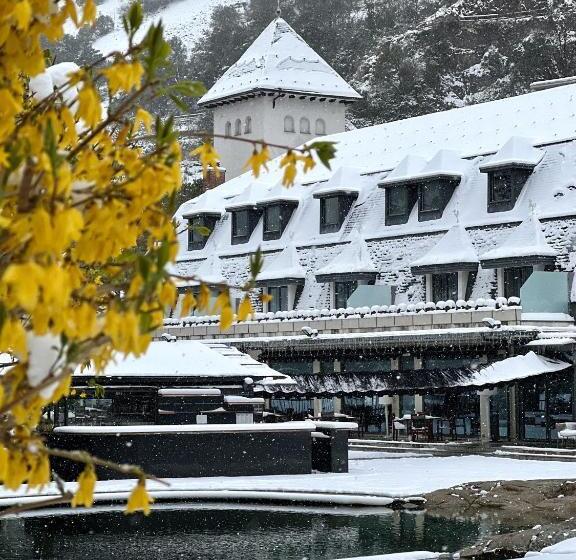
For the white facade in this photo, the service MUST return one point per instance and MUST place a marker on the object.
(269, 118)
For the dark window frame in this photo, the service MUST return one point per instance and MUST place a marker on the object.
(284, 214)
(444, 187)
(514, 279)
(343, 291)
(344, 204)
(252, 217)
(280, 298)
(516, 178)
(196, 241)
(411, 193)
(447, 284)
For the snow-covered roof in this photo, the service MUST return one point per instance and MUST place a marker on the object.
(210, 271)
(354, 258)
(526, 240)
(455, 247)
(279, 193)
(345, 180)
(279, 59)
(405, 171)
(445, 163)
(206, 203)
(285, 264)
(187, 358)
(518, 151)
(249, 196)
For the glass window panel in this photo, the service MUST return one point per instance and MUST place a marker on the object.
(273, 219)
(501, 186)
(292, 368)
(445, 286)
(331, 211)
(240, 223)
(406, 404)
(514, 279)
(342, 291)
(397, 201)
(406, 363)
(533, 417)
(559, 401)
(370, 365)
(279, 299)
(431, 196)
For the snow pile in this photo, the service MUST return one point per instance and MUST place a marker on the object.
(44, 84)
(455, 247)
(280, 59)
(416, 555)
(565, 550)
(526, 240)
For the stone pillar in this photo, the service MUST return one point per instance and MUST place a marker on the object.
(337, 405)
(396, 405)
(500, 279)
(337, 366)
(485, 435)
(513, 412)
(317, 407)
(462, 283)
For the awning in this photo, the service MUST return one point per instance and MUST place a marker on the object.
(418, 381)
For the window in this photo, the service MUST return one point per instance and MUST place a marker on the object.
(228, 129)
(304, 125)
(240, 223)
(238, 128)
(406, 363)
(514, 279)
(433, 197)
(320, 127)
(371, 365)
(248, 125)
(504, 187)
(289, 124)
(197, 234)
(342, 291)
(273, 219)
(279, 299)
(333, 212)
(399, 203)
(445, 286)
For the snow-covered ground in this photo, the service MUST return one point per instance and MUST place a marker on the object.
(186, 19)
(375, 481)
(565, 550)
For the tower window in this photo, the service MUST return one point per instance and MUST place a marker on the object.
(248, 125)
(342, 291)
(304, 125)
(243, 223)
(514, 279)
(504, 187)
(399, 203)
(199, 229)
(289, 124)
(228, 129)
(238, 127)
(279, 300)
(445, 286)
(320, 127)
(434, 195)
(333, 212)
(276, 217)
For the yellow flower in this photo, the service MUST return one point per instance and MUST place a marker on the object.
(208, 158)
(22, 14)
(143, 117)
(139, 499)
(168, 294)
(89, 109)
(258, 159)
(123, 76)
(84, 495)
(245, 309)
(203, 297)
(16, 470)
(188, 303)
(288, 162)
(4, 457)
(226, 318)
(40, 474)
(89, 14)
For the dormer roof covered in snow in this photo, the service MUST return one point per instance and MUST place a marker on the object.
(446, 164)
(526, 245)
(517, 152)
(344, 181)
(282, 268)
(249, 197)
(278, 194)
(353, 262)
(454, 252)
(405, 171)
(204, 205)
(279, 60)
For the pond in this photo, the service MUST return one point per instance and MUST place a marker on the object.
(231, 532)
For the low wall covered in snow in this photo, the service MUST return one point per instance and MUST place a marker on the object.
(192, 450)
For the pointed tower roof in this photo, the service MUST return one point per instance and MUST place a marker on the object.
(353, 262)
(279, 60)
(526, 245)
(282, 268)
(454, 252)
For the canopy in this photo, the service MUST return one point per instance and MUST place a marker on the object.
(419, 381)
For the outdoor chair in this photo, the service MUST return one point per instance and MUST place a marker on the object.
(566, 432)
(398, 427)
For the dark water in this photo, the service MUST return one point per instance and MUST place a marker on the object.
(229, 532)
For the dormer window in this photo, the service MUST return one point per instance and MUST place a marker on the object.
(504, 188)
(399, 203)
(276, 218)
(200, 227)
(333, 212)
(433, 197)
(244, 220)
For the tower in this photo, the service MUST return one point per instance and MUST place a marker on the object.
(280, 91)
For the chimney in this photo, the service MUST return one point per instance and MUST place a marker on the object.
(213, 179)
